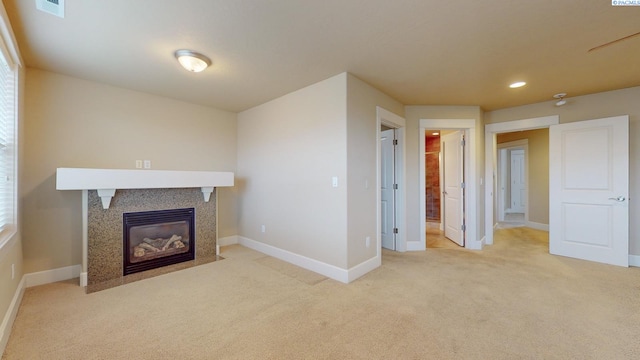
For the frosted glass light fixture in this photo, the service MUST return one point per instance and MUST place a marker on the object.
(517, 84)
(192, 61)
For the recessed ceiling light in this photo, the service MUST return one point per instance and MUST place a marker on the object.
(435, 133)
(517, 84)
(192, 61)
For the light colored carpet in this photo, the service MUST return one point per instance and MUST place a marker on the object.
(510, 301)
(512, 220)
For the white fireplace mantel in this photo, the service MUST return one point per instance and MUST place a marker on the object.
(107, 181)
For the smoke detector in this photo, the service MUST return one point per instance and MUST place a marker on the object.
(53, 7)
(561, 101)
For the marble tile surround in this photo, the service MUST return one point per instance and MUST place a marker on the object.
(105, 232)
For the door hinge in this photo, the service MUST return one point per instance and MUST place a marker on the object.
(395, 230)
(463, 142)
(395, 141)
(395, 186)
(462, 185)
(463, 227)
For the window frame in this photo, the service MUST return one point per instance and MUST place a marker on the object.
(10, 53)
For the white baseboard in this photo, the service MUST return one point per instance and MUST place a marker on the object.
(474, 245)
(537, 226)
(363, 268)
(10, 316)
(634, 260)
(224, 241)
(84, 279)
(50, 276)
(228, 240)
(416, 246)
(328, 270)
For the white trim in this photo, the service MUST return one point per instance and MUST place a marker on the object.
(490, 146)
(416, 245)
(634, 260)
(387, 118)
(225, 241)
(228, 240)
(10, 315)
(471, 197)
(7, 239)
(537, 226)
(94, 179)
(85, 235)
(319, 267)
(363, 268)
(84, 279)
(50, 276)
(9, 43)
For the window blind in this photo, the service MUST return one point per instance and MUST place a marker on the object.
(7, 143)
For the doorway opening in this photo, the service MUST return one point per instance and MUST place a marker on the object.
(512, 182)
(467, 226)
(444, 193)
(531, 136)
(391, 224)
(588, 186)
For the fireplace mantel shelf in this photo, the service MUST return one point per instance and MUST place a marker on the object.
(107, 181)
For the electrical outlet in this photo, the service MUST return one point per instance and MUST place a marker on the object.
(138, 164)
(13, 271)
(147, 164)
(367, 241)
(263, 229)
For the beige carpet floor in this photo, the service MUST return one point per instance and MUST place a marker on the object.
(510, 301)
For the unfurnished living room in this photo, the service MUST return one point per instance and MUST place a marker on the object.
(218, 179)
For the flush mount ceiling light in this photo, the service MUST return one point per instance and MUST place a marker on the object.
(517, 84)
(561, 101)
(192, 61)
(435, 133)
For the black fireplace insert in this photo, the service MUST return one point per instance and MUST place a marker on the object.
(158, 238)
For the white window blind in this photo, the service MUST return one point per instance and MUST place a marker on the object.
(7, 143)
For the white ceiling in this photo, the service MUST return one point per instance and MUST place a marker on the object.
(418, 51)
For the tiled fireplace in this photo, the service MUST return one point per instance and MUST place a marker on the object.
(106, 233)
(143, 223)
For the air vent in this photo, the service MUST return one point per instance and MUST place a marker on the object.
(53, 7)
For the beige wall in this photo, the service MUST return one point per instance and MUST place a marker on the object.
(288, 151)
(413, 116)
(10, 254)
(76, 123)
(362, 100)
(537, 171)
(595, 106)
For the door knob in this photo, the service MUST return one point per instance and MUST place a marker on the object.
(618, 199)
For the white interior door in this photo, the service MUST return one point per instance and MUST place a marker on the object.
(502, 182)
(518, 184)
(589, 190)
(387, 196)
(453, 196)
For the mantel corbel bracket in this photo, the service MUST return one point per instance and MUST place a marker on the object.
(105, 196)
(206, 191)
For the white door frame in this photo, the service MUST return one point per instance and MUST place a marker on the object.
(512, 145)
(387, 118)
(471, 198)
(490, 146)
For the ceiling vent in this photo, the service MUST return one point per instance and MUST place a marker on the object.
(53, 7)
